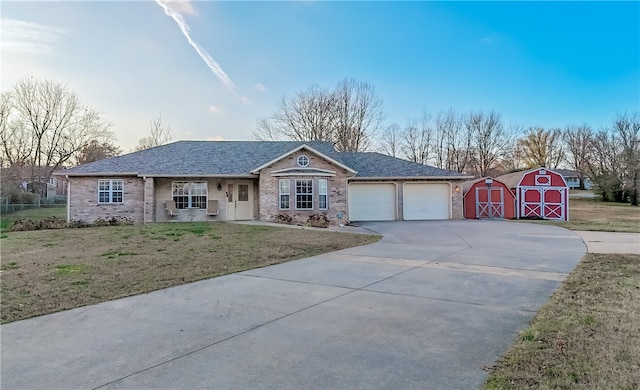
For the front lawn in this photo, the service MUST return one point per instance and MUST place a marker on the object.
(586, 337)
(51, 270)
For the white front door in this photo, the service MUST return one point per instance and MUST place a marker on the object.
(239, 201)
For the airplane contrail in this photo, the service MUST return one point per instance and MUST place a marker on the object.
(184, 27)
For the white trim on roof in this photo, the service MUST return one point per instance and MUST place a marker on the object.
(309, 148)
(298, 169)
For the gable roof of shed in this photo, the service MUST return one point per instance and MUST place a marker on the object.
(244, 158)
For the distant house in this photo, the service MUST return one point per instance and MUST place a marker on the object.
(40, 180)
(260, 180)
(573, 178)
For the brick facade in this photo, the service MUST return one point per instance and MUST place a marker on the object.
(269, 191)
(84, 206)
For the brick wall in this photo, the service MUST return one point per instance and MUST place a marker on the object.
(84, 206)
(269, 195)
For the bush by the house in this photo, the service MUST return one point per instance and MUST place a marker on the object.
(283, 218)
(47, 223)
(59, 223)
(318, 220)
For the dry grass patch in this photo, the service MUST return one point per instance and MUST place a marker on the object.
(586, 337)
(51, 270)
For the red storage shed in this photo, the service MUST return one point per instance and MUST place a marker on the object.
(488, 198)
(540, 193)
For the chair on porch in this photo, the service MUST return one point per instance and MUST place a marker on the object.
(212, 207)
(170, 206)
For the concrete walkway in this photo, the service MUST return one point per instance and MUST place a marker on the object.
(427, 307)
(609, 242)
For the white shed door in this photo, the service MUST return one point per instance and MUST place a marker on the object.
(372, 202)
(426, 201)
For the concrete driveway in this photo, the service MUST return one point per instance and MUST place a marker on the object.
(427, 307)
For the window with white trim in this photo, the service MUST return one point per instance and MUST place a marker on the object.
(110, 190)
(189, 194)
(304, 194)
(323, 198)
(284, 193)
(303, 161)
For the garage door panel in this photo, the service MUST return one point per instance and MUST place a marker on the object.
(426, 201)
(372, 202)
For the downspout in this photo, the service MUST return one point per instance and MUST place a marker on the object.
(68, 199)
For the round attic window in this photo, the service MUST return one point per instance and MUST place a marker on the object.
(303, 161)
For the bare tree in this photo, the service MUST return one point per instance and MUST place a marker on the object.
(417, 139)
(309, 115)
(359, 115)
(578, 142)
(489, 138)
(348, 116)
(451, 144)
(605, 165)
(96, 150)
(44, 124)
(542, 148)
(627, 127)
(159, 135)
(390, 140)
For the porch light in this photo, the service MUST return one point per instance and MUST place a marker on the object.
(488, 181)
(457, 189)
(219, 186)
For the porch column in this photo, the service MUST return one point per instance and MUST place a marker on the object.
(149, 200)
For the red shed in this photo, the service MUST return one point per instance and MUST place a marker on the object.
(488, 198)
(540, 193)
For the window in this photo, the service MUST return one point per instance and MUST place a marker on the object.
(303, 161)
(304, 194)
(110, 190)
(284, 192)
(322, 194)
(190, 194)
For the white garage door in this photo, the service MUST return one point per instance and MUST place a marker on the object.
(372, 201)
(426, 201)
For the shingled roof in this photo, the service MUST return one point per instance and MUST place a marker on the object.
(376, 165)
(240, 158)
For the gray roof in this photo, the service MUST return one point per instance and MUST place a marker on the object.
(213, 158)
(371, 164)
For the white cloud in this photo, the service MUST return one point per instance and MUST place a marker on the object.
(260, 88)
(214, 109)
(486, 40)
(174, 9)
(28, 37)
(216, 138)
(245, 101)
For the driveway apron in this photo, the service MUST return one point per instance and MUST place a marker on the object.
(430, 306)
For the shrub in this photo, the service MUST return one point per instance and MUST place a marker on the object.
(318, 220)
(59, 223)
(23, 197)
(283, 218)
(47, 223)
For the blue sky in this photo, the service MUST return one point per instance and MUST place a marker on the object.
(547, 64)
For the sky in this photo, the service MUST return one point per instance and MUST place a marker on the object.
(211, 69)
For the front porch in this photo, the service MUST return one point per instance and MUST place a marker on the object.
(203, 199)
